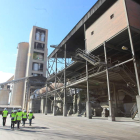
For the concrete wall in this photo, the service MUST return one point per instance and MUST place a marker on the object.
(133, 9)
(18, 88)
(4, 96)
(104, 27)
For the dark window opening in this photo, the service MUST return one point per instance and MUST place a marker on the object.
(39, 46)
(36, 74)
(92, 32)
(112, 16)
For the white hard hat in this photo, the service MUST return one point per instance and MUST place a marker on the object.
(19, 109)
(5, 108)
(30, 111)
(24, 110)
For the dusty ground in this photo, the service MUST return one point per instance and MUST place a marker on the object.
(72, 128)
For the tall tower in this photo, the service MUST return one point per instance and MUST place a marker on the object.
(37, 57)
(20, 71)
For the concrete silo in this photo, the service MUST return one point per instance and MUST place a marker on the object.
(4, 95)
(20, 71)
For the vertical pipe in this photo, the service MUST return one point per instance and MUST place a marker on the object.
(111, 115)
(65, 96)
(54, 107)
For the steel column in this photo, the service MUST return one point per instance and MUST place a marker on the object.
(111, 114)
(46, 106)
(65, 94)
(88, 110)
(132, 49)
(54, 106)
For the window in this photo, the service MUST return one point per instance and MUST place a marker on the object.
(40, 35)
(38, 56)
(35, 74)
(112, 16)
(92, 32)
(39, 46)
(37, 67)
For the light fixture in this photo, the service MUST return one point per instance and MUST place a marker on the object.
(124, 48)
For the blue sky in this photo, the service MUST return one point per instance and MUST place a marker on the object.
(18, 16)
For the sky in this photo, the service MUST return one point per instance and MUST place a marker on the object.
(17, 17)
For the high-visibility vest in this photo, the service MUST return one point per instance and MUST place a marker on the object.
(19, 116)
(5, 113)
(30, 115)
(24, 116)
(13, 115)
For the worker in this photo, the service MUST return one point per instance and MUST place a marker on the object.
(13, 119)
(24, 117)
(4, 115)
(18, 118)
(30, 117)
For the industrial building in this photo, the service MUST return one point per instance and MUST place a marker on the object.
(31, 62)
(102, 78)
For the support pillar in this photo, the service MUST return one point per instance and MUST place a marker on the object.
(111, 110)
(54, 106)
(134, 58)
(65, 94)
(74, 103)
(46, 107)
(88, 104)
(42, 105)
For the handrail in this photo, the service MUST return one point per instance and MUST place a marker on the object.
(134, 111)
(91, 56)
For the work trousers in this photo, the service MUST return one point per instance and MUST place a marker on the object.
(12, 124)
(18, 123)
(30, 121)
(4, 121)
(23, 121)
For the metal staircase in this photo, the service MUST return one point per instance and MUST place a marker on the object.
(128, 77)
(94, 60)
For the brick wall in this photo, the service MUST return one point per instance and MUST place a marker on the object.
(133, 9)
(104, 27)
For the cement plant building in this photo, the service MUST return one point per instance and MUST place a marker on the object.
(103, 77)
(31, 61)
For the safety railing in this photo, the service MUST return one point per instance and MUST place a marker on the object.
(134, 111)
(89, 56)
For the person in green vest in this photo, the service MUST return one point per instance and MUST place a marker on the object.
(13, 119)
(18, 117)
(30, 117)
(4, 115)
(24, 117)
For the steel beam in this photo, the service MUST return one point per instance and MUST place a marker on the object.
(54, 106)
(46, 104)
(65, 94)
(111, 114)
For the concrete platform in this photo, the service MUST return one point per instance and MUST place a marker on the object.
(72, 128)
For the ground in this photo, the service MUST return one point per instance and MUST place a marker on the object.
(72, 128)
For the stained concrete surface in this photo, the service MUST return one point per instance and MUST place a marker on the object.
(72, 128)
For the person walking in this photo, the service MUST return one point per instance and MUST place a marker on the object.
(24, 117)
(13, 119)
(4, 115)
(30, 117)
(18, 118)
